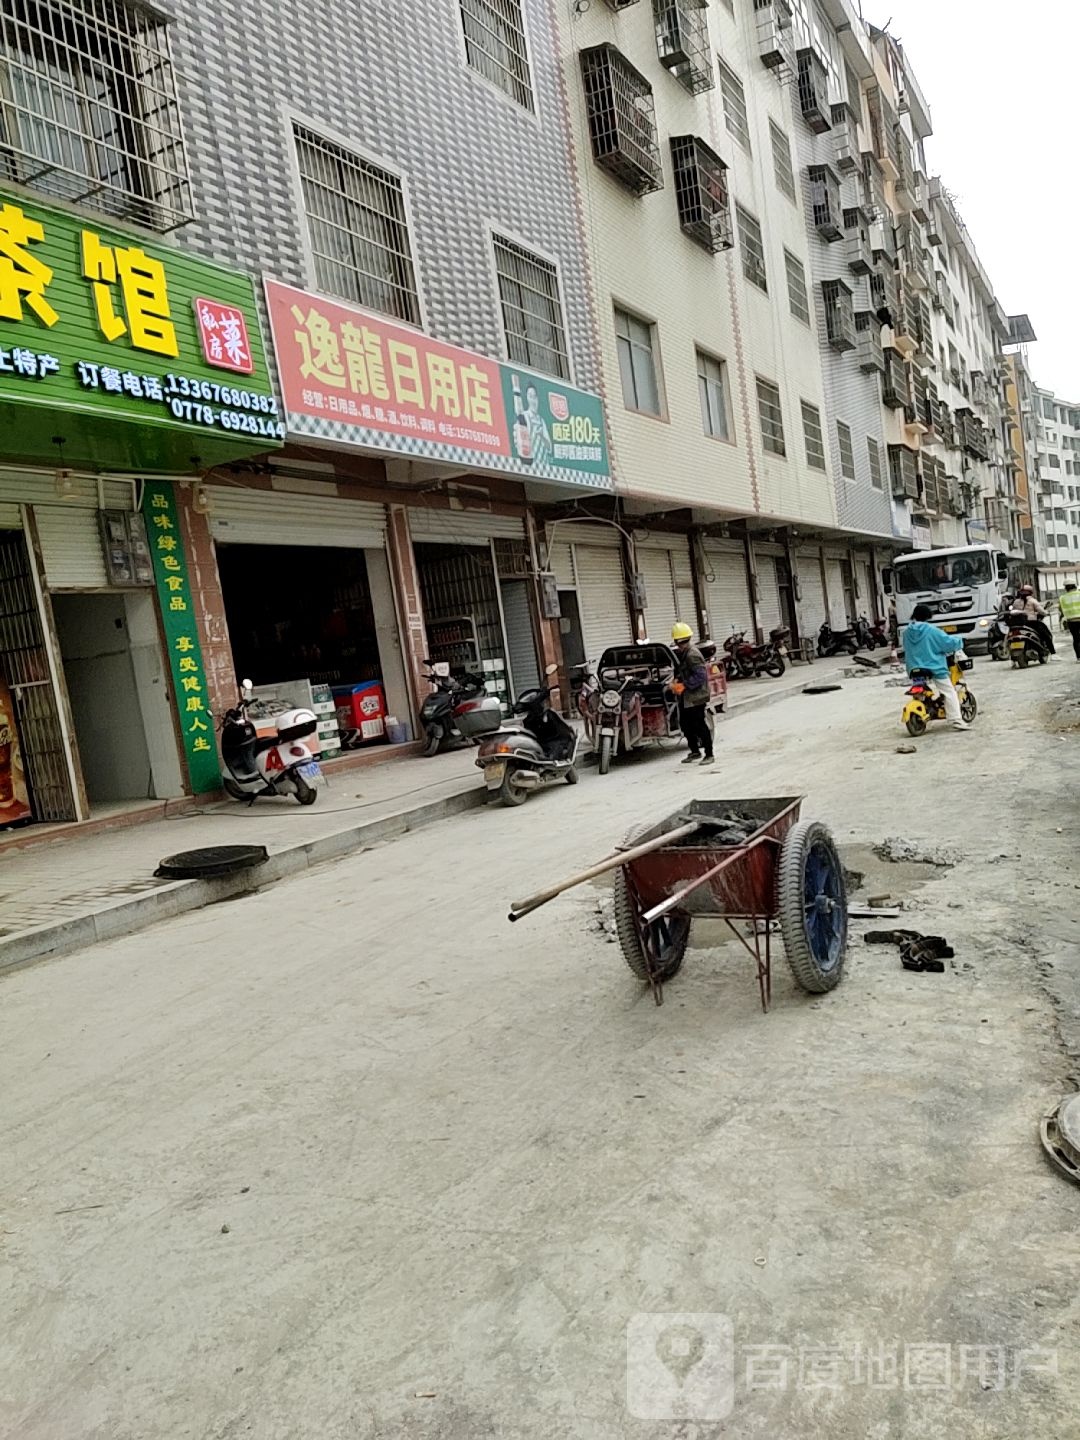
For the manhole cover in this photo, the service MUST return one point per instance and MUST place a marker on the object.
(211, 861)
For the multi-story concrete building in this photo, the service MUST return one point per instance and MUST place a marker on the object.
(1058, 439)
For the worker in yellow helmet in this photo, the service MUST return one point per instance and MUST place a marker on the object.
(1069, 605)
(691, 685)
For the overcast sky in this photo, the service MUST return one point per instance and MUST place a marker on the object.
(1003, 86)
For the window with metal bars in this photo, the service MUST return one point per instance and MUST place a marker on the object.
(713, 393)
(753, 249)
(495, 46)
(622, 119)
(798, 297)
(873, 453)
(682, 42)
(813, 437)
(839, 315)
(771, 415)
(358, 228)
(89, 110)
(825, 202)
(846, 450)
(734, 98)
(813, 91)
(781, 152)
(531, 309)
(701, 193)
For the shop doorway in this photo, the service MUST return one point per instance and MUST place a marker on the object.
(463, 614)
(118, 694)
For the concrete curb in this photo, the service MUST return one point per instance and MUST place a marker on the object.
(179, 896)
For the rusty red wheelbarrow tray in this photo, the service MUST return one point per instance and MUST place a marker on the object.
(675, 871)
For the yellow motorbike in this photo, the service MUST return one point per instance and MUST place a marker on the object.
(926, 703)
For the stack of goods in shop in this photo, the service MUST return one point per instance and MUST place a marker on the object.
(299, 695)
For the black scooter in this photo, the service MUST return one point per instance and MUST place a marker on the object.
(1025, 645)
(538, 750)
(834, 642)
(457, 711)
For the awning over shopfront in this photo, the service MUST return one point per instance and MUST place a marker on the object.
(353, 378)
(119, 355)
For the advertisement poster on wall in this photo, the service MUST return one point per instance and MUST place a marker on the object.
(15, 806)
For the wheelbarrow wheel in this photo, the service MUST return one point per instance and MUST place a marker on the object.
(812, 903)
(661, 945)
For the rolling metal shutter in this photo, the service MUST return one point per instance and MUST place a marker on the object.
(812, 602)
(661, 611)
(769, 591)
(561, 565)
(605, 616)
(10, 518)
(270, 517)
(520, 644)
(868, 605)
(71, 547)
(727, 592)
(462, 527)
(838, 616)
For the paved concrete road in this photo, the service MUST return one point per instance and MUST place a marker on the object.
(355, 1158)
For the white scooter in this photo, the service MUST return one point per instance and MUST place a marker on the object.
(279, 764)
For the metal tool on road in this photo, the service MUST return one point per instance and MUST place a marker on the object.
(734, 860)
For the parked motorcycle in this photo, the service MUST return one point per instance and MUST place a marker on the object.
(744, 659)
(1025, 645)
(925, 702)
(539, 750)
(458, 711)
(871, 635)
(834, 642)
(277, 764)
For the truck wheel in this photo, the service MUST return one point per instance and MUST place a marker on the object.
(812, 903)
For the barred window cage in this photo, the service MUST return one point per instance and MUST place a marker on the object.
(825, 202)
(753, 249)
(870, 351)
(894, 384)
(883, 295)
(857, 247)
(531, 309)
(701, 193)
(845, 140)
(775, 35)
(839, 315)
(814, 91)
(89, 111)
(357, 227)
(904, 472)
(622, 119)
(495, 46)
(682, 42)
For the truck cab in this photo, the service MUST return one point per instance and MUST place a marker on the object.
(962, 585)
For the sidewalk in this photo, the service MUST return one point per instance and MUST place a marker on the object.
(62, 896)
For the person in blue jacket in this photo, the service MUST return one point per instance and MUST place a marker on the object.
(925, 648)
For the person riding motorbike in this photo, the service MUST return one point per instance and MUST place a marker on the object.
(926, 648)
(691, 685)
(1036, 615)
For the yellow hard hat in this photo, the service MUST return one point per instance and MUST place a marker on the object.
(681, 632)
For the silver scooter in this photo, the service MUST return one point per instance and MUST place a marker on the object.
(538, 750)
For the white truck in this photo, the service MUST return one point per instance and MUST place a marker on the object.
(963, 586)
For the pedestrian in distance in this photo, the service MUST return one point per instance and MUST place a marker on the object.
(691, 685)
(927, 647)
(1069, 605)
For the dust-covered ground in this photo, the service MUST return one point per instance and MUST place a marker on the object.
(356, 1158)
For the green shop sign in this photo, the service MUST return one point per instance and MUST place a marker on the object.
(118, 354)
(181, 636)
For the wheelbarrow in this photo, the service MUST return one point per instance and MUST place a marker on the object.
(771, 866)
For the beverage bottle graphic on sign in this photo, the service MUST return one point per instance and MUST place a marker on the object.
(522, 434)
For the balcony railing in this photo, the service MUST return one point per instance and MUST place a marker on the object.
(622, 119)
(701, 193)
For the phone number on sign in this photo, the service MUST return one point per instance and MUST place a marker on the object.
(227, 419)
(189, 389)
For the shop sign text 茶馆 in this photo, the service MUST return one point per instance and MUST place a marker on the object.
(132, 355)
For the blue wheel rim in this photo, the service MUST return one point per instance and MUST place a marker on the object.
(825, 916)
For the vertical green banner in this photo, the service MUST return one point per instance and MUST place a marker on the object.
(181, 636)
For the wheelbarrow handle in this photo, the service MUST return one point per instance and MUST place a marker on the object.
(612, 862)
